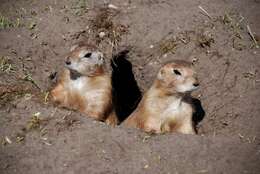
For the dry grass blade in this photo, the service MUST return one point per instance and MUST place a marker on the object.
(227, 19)
(28, 77)
(34, 122)
(10, 93)
(252, 36)
(80, 7)
(205, 12)
(46, 97)
(7, 23)
(37, 122)
(6, 65)
(167, 46)
(8, 140)
(205, 39)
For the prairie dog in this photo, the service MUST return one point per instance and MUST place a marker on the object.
(84, 84)
(163, 107)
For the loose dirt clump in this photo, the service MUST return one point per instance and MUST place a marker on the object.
(106, 30)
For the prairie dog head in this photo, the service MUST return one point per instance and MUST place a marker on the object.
(85, 59)
(178, 76)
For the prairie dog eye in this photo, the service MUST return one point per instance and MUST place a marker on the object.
(177, 72)
(88, 55)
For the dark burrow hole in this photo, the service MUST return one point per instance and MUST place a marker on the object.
(199, 112)
(126, 93)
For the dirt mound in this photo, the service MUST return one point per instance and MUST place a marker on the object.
(220, 38)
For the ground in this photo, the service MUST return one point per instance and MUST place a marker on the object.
(217, 36)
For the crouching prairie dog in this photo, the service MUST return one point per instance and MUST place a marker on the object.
(85, 85)
(163, 107)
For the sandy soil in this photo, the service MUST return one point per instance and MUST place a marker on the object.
(37, 137)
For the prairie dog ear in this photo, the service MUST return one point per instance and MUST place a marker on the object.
(161, 73)
(74, 47)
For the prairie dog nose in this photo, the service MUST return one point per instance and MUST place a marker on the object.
(68, 62)
(196, 84)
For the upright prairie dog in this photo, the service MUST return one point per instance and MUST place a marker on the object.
(84, 84)
(163, 107)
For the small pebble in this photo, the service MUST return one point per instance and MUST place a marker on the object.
(112, 6)
(102, 34)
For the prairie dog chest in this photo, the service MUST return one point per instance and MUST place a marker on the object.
(167, 110)
(88, 88)
(173, 109)
(177, 110)
(78, 84)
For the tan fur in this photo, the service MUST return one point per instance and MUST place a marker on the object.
(163, 107)
(91, 93)
(112, 119)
